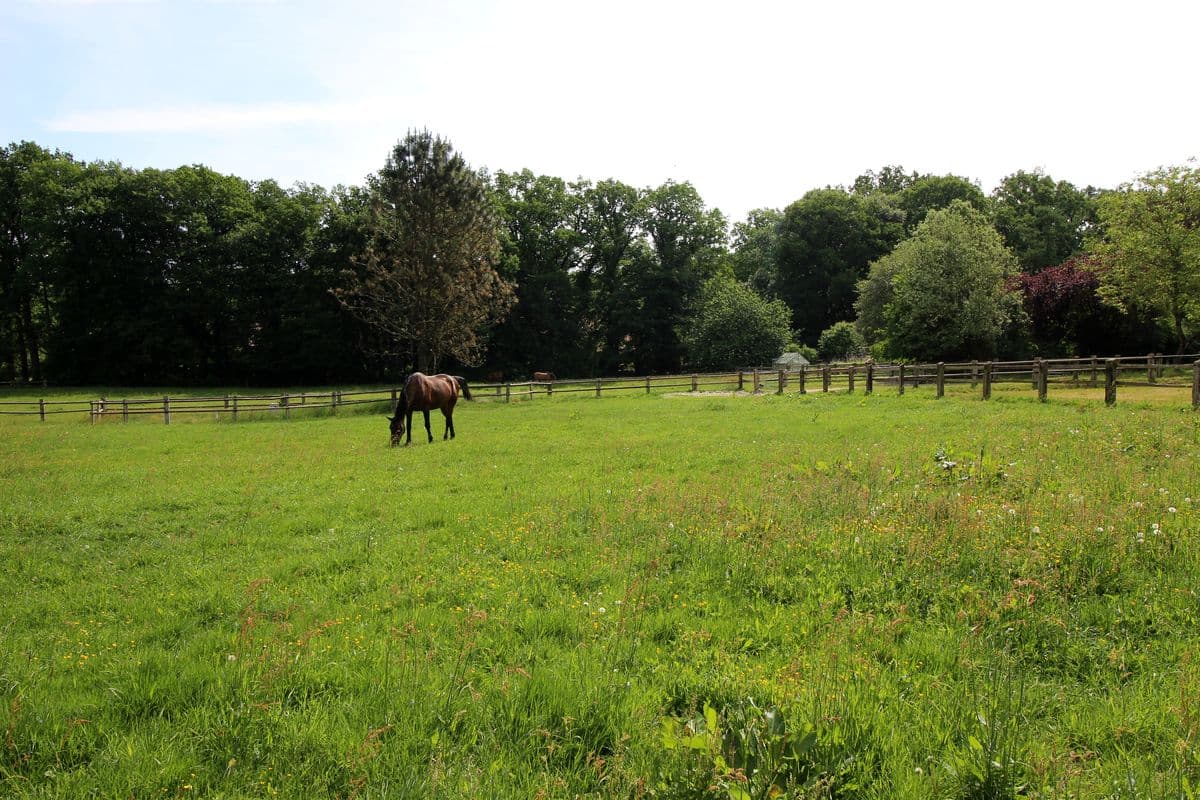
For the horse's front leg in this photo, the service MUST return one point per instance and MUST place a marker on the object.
(408, 430)
(427, 430)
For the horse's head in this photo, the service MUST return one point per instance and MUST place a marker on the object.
(397, 425)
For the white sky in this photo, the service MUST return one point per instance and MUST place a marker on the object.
(753, 102)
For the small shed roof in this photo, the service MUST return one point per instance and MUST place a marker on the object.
(790, 361)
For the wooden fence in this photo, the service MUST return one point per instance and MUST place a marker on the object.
(1155, 370)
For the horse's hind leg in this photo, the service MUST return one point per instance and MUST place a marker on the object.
(449, 434)
(427, 430)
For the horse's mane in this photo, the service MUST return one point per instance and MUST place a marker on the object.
(402, 400)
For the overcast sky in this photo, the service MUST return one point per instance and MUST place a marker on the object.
(754, 103)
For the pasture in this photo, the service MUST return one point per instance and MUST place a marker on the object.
(635, 596)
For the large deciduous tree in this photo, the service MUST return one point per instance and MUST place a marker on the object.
(753, 256)
(1042, 220)
(428, 281)
(608, 219)
(931, 192)
(686, 239)
(39, 193)
(1150, 247)
(950, 292)
(542, 253)
(735, 327)
(825, 242)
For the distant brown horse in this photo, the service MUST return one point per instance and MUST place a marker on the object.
(544, 377)
(424, 393)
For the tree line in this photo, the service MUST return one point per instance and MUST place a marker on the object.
(186, 276)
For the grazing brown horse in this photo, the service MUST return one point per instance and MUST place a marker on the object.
(544, 377)
(424, 393)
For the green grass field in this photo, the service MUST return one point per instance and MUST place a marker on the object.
(638, 596)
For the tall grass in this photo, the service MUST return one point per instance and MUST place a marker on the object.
(644, 596)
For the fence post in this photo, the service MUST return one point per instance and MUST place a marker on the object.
(870, 377)
(598, 380)
(235, 408)
(1151, 369)
(974, 373)
(1043, 378)
(125, 410)
(825, 375)
(1094, 364)
(91, 412)
(803, 377)
(42, 410)
(648, 384)
(1196, 385)
(1110, 381)
(901, 381)
(693, 381)
(782, 382)
(166, 410)
(283, 401)
(850, 379)
(508, 392)
(740, 380)
(987, 381)
(941, 379)
(226, 402)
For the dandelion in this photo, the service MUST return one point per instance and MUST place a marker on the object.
(600, 609)
(1170, 509)
(1099, 529)
(1036, 529)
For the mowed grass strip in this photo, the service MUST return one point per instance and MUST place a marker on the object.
(636, 596)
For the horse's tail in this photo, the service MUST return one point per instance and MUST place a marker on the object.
(462, 384)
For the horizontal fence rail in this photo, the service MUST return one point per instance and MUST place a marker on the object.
(1152, 371)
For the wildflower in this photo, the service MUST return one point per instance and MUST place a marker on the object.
(1036, 529)
(601, 609)
(1099, 529)
(1170, 509)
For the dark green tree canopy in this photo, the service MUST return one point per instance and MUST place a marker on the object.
(930, 192)
(1041, 220)
(825, 242)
